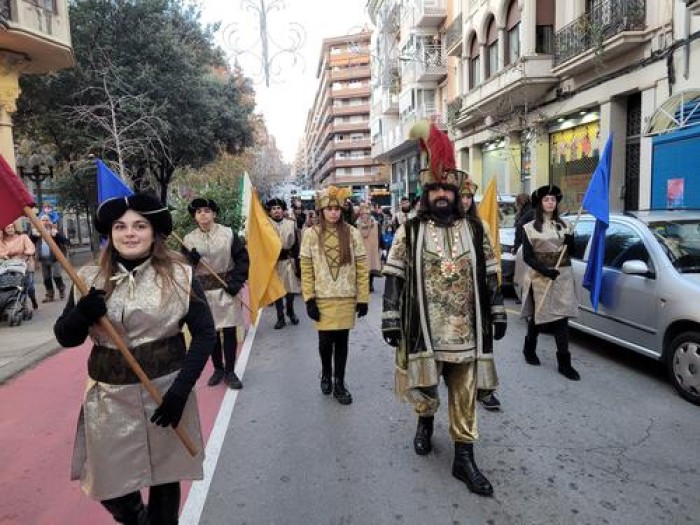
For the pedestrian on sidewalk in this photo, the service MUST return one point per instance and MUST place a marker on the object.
(147, 292)
(288, 260)
(486, 396)
(549, 298)
(225, 253)
(50, 268)
(14, 245)
(442, 302)
(369, 229)
(335, 285)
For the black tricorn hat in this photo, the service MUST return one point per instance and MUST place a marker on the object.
(200, 202)
(151, 208)
(547, 189)
(276, 201)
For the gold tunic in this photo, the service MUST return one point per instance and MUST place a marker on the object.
(215, 248)
(287, 232)
(117, 449)
(337, 288)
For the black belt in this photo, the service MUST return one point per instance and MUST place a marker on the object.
(212, 282)
(158, 358)
(550, 259)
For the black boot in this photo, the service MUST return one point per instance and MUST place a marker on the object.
(422, 444)
(530, 353)
(290, 309)
(565, 368)
(326, 384)
(279, 305)
(216, 377)
(341, 393)
(281, 323)
(464, 469)
(164, 504)
(128, 509)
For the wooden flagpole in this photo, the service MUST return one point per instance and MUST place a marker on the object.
(106, 325)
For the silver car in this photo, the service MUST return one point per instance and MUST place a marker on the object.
(650, 298)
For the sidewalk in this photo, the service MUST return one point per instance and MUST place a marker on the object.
(26, 345)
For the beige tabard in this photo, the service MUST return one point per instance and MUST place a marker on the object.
(287, 232)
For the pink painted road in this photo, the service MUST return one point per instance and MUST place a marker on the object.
(38, 413)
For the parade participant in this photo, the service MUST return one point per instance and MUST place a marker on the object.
(486, 397)
(335, 287)
(401, 216)
(348, 209)
(50, 269)
(544, 239)
(224, 253)
(147, 292)
(525, 213)
(287, 262)
(441, 297)
(369, 230)
(298, 214)
(15, 245)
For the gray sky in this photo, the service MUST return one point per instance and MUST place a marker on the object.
(286, 102)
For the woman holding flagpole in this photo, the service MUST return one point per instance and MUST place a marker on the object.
(148, 293)
(548, 310)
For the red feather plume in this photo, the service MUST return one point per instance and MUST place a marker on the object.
(441, 151)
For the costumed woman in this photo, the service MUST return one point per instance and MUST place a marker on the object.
(548, 310)
(335, 287)
(225, 253)
(369, 229)
(123, 443)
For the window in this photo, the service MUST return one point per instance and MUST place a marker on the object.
(492, 48)
(583, 232)
(513, 32)
(623, 244)
(474, 64)
(544, 22)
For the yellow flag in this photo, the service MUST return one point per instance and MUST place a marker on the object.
(264, 247)
(488, 211)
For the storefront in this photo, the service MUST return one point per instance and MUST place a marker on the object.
(574, 150)
(494, 164)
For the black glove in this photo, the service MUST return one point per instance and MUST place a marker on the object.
(92, 306)
(170, 410)
(232, 290)
(569, 239)
(312, 310)
(361, 309)
(392, 337)
(499, 330)
(284, 255)
(297, 268)
(193, 256)
(551, 273)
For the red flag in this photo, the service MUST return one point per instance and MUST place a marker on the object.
(13, 195)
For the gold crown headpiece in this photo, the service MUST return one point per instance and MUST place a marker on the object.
(331, 196)
(442, 167)
(468, 187)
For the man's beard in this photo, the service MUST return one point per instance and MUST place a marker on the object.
(442, 214)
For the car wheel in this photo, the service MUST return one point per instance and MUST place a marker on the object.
(684, 365)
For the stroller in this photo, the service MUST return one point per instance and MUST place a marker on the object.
(13, 292)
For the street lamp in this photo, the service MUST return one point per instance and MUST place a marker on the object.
(37, 168)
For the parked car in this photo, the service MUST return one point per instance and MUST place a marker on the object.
(650, 298)
(506, 234)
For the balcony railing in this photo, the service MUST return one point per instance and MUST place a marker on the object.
(605, 20)
(454, 33)
(5, 11)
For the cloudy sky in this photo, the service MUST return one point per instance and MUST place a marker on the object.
(287, 101)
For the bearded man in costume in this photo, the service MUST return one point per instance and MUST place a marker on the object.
(288, 267)
(443, 307)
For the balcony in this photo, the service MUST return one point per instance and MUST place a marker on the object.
(610, 29)
(525, 83)
(344, 127)
(453, 37)
(694, 6)
(356, 109)
(390, 104)
(429, 13)
(362, 91)
(350, 73)
(41, 35)
(428, 65)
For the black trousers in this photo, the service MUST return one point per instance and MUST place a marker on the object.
(280, 305)
(163, 506)
(559, 329)
(333, 349)
(229, 350)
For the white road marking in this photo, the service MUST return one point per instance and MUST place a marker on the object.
(192, 511)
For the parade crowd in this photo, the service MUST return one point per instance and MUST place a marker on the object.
(442, 311)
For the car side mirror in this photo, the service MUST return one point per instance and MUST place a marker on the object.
(636, 267)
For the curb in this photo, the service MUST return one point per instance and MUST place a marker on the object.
(28, 360)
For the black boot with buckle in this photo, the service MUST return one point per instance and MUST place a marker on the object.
(464, 469)
(422, 444)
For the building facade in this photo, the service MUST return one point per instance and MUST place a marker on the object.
(534, 88)
(337, 141)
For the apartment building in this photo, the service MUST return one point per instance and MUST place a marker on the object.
(535, 87)
(34, 38)
(337, 142)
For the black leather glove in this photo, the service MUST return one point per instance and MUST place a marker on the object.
(569, 239)
(392, 337)
(193, 256)
(499, 330)
(312, 310)
(170, 410)
(297, 268)
(362, 309)
(551, 273)
(92, 306)
(232, 290)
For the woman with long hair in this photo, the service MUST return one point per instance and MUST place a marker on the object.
(148, 293)
(549, 298)
(335, 287)
(369, 230)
